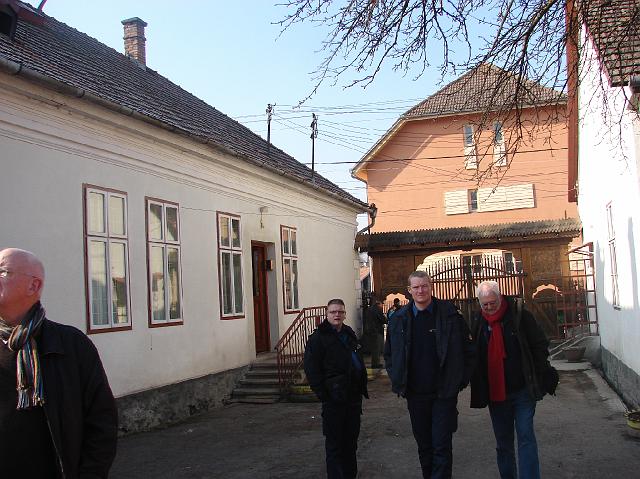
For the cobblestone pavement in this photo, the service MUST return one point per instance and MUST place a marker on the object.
(581, 434)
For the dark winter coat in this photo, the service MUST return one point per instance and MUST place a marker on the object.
(79, 406)
(329, 367)
(533, 353)
(374, 320)
(454, 348)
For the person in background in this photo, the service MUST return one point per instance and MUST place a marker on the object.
(374, 321)
(393, 309)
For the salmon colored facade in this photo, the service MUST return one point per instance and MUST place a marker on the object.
(421, 174)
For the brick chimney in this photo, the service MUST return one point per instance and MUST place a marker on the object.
(134, 40)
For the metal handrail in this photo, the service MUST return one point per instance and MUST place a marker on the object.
(290, 348)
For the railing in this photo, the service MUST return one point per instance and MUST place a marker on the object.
(290, 348)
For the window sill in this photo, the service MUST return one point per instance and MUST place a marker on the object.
(109, 330)
(167, 324)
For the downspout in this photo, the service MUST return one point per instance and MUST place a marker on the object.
(373, 211)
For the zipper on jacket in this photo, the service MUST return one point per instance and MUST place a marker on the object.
(55, 446)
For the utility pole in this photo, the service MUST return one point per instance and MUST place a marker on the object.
(314, 135)
(269, 112)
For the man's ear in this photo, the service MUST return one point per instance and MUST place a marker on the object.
(35, 287)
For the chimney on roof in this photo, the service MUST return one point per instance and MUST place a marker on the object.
(134, 40)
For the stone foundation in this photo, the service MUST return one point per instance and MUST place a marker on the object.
(166, 405)
(623, 379)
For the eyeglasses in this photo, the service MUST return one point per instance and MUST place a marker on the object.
(5, 273)
(488, 304)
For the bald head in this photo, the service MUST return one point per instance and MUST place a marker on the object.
(21, 283)
(25, 261)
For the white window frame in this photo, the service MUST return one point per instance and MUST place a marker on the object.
(470, 193)
(107, 237)
(166, 244)
(470, 154)
(611, 239)
(499, 151)
(234, 251)
(291, 304)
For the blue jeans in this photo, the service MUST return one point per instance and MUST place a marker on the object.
(433, 422)
(518, 409)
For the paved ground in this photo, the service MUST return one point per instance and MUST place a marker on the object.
(581, 434)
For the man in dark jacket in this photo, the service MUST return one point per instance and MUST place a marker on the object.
(512, 356)
(58, 418)
(337, 375)
(374, 321)
(429, 356)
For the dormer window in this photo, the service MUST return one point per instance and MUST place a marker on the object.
(8, 21)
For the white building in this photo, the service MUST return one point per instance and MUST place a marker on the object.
(609, 183)
(176, 238)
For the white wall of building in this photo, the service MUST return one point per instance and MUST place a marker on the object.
(51, 145)
(608, 174)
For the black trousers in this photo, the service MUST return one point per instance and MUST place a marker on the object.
(433, 422)
(341, 428)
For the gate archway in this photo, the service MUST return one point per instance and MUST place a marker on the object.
(456, 281)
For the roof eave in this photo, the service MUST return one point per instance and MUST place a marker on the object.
(379, 144)
(18, 69)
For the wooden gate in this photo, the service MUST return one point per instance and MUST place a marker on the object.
(456, 278)
(576, 299)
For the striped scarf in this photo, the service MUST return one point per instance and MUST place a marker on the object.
(22, 338)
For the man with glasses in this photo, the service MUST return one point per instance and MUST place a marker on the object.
(509, 377)
(57, 414)
(336, 373)
(429, 357)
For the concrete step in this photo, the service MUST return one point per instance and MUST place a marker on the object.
(262, 374)
(256, 391)
(270, 364)
(259, 382)
(254, 400)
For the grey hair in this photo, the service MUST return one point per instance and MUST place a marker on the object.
(487, 287)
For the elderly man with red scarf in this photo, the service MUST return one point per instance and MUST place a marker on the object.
(512, 354)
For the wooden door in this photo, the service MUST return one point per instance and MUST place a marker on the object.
(260, 300)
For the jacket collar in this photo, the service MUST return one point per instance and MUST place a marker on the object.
(326, 328)
(50, 341)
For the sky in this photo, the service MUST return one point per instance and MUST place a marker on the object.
(234, 56)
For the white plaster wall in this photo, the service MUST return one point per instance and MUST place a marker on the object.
(608, 173)
(51, 145)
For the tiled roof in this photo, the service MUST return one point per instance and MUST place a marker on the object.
(615, 28)
(468, 234)
(73, 58)
(486, 87)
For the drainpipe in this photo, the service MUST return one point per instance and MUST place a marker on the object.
(373, 211)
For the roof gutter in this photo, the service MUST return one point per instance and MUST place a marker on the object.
(16, 68)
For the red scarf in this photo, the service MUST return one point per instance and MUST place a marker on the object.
(496, 353)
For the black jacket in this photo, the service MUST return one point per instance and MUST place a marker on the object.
(533, 353)
(79, 406)
(374, 321)
(454, 347)
(329, 367)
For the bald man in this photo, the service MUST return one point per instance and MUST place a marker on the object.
(58, 418)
